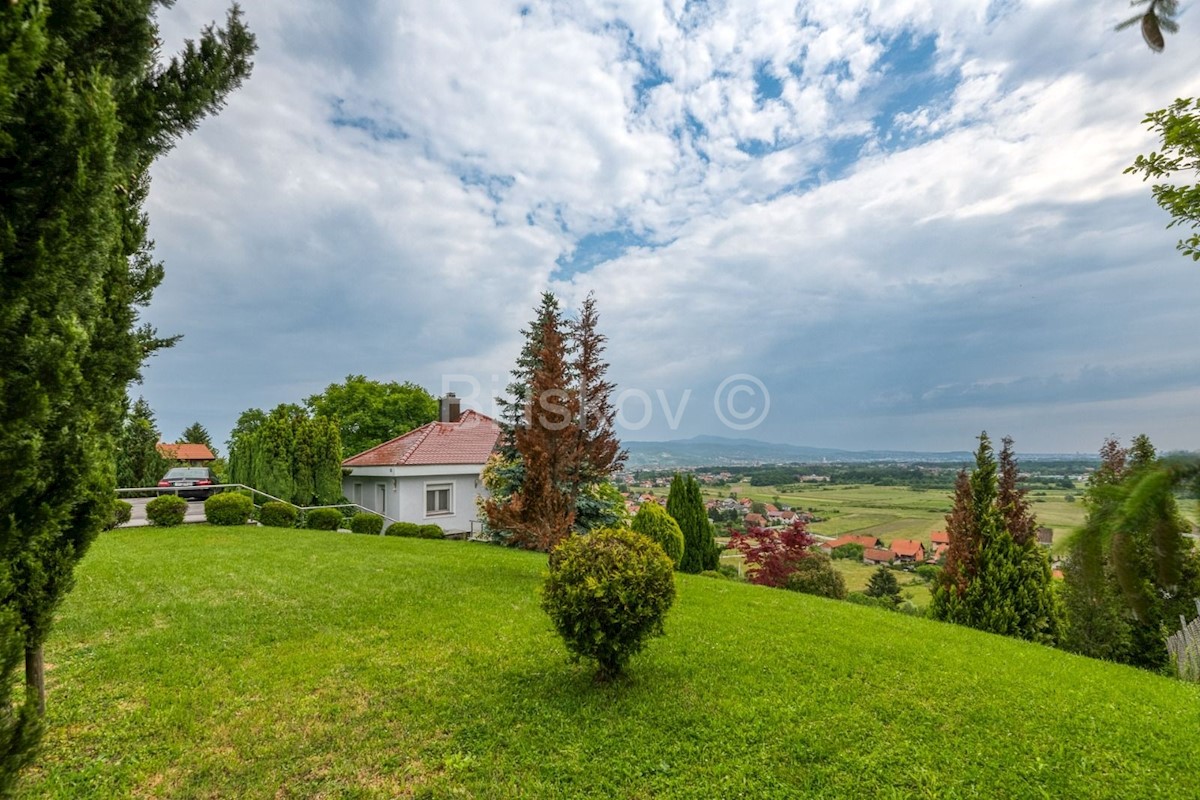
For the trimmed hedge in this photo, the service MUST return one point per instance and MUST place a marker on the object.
(607, 592)
(366, 522)
(166, 511)
(275, 514)
(323, 519)
(403, 529)
(122, 512)
(228, 508)
(431, 532)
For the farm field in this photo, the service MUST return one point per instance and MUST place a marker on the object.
(261, 663)
(891, 512)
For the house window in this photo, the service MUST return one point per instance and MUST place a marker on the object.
(439, 499)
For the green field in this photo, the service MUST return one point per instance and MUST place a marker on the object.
(261, 663)
(893, 512)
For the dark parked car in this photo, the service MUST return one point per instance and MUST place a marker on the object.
(194, 482)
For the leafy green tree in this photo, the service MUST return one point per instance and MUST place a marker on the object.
(653, 522)
(883, 584)
(288, 454)
(686, 505)
(370, 412)
(1179, 126)
(86, 107)
(139, 461)
(991, 580)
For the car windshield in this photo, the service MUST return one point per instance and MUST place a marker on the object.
(187, 472)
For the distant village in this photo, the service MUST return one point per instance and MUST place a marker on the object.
(739, 513)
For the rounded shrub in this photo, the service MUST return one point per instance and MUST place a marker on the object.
(166, 510)
(431, 532)
(653, 522)
(606, 593)
(122, 512)
(228, 508)
(815, 574)
(323, 519)
(366, 522)
(275, 514)
(403, 529)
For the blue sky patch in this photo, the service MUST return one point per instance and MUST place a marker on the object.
(379, 129)
(766, 86)
(596, 248)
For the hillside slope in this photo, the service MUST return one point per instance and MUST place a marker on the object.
(267, 663)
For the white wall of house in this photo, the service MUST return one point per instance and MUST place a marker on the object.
(442, 494)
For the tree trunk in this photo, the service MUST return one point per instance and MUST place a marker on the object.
(35, 676)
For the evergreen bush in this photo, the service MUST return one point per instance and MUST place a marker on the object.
(228, 508)
(122, 512)
(366, 522)
(166, 510)
(653, 522)
(606, 593)
(403, 529)
(275, 514)
(323, 519)
(431, 532)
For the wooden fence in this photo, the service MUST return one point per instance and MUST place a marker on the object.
(1184, 648)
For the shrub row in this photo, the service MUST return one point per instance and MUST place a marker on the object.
(415, 530)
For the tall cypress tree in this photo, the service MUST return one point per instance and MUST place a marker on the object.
(686, 504)
(86, 108)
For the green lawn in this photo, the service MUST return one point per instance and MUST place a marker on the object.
(208, 662)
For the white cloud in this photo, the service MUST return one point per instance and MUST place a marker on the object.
(390, 190)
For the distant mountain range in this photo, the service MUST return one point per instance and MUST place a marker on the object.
(715, 451)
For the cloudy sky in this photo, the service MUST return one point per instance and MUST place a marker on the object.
(855, 223)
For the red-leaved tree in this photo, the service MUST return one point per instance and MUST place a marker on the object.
(773, 555)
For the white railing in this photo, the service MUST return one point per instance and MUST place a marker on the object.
(1184, 648)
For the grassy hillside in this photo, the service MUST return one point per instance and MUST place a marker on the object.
(206, 662)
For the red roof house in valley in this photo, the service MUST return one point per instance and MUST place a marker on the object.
(866, 542)
(875, 555)
(908, 550)
(939, 537)
(196, 455)
(939, 553)
(756, 519)
(428, 475)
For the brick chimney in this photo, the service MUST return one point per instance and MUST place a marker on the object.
(450, 408)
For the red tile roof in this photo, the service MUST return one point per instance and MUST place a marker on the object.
(755, 519)
(186, 451)
(939, 537)
(940, 551)
(847, 538)
(908, 547)
(468, 441)
(874, 554)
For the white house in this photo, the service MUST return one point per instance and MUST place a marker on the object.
(428, 475)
